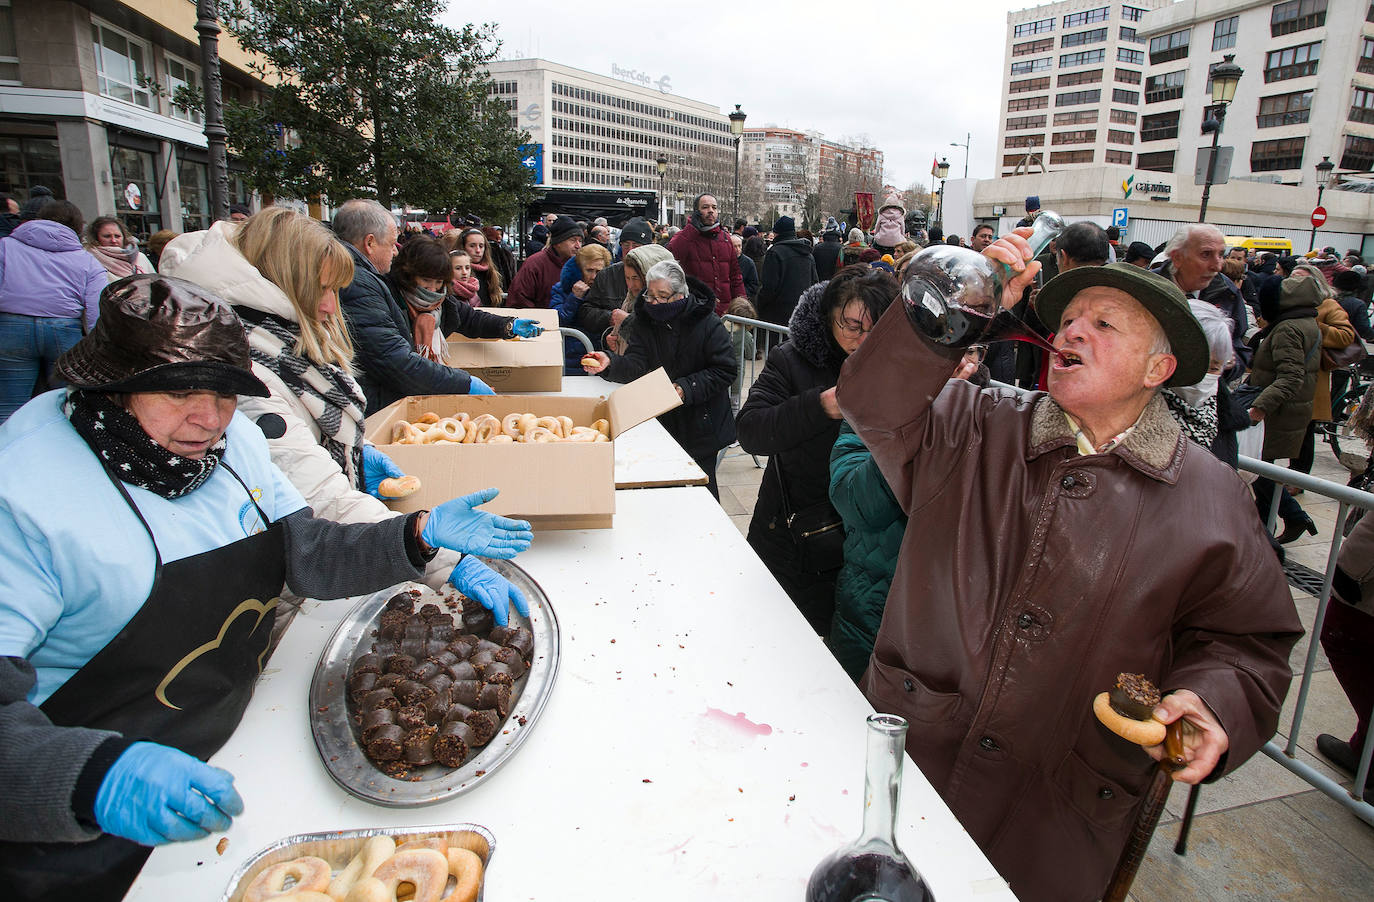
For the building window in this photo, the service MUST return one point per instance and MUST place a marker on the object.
(195, 195)
(1081, 58)
(9, 48)
(1076, 98)
(1359, 154)
(1159, 126)
(1128, 76)
(1030, 47)
(1275, 156)
(26, 162)
(1121, 95)
(135, 191)
(181, 74)
(1023, 141)
(1171, 46)
(1169, 86)
(1027, 28)
(1224, 33)
(1159, 161)
(1092, 76)
(1060, 157)
(1362, 105)
(1122, 117)
(1075, 117)
(1122, 157)
(1284, 109)
(1020, 122)
(1080, 38)
(1087, 17)
(1134, 57)
(1085, 136)
(1129, 35)
(1027, 103)
(1028, 66)
(1296, 15)
(1131, 13)
(122, 64)
(1029, 84)
(1295, 62)
(1118, 136)
(1366, 63)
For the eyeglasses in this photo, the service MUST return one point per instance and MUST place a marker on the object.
(852, 327)
(659, 299)
(976, 353)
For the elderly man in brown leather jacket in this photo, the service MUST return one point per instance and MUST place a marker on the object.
(1056, 540)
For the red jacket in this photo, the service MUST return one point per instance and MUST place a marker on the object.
(535, 280)
(710, 257)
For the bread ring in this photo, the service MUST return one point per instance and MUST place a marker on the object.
(1141, 732)
(601, 437)
(551, 424)
(309, 897)
(310, 873)
(437, 843)
(510, 425)
(603, 427)
(403, 433)
(589, 360)
(425, 869)
(500, 439)
(567, 424)
(429, 418)
(527, 421)
(369, 858)
(588, 435)
(485, 426)
(473, 842)
(453, 429)
(540, 434)
(398, 486)
(370, 889)
(469, 432)
(466, 868)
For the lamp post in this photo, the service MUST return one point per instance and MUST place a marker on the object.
(662, 164)
(737, 129)
(968, 139)
(681, 190)
(1224, 78)
(941, 172)
(629, 184)
(1323, 179)
(216, 136)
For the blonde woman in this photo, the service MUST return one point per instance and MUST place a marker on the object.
(282, 271)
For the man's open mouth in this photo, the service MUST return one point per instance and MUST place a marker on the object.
(1068, 358)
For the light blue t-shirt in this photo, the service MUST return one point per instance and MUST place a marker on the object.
(77, 564)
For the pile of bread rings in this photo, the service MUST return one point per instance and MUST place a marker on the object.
(378, 870)
(484, 428)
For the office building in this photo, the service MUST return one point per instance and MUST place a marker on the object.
(781, 167)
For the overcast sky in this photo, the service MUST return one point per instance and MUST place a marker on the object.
(911, 75)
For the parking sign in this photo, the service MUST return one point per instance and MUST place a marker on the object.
(1119, 217)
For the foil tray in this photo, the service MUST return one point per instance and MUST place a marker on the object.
(337, 741)
(339, 846)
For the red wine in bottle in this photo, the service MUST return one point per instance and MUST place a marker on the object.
(867, 877)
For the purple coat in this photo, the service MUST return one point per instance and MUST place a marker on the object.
(44, 271)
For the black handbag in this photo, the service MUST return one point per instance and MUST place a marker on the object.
(817, 530)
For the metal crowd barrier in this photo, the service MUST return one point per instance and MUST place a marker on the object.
(753, 339)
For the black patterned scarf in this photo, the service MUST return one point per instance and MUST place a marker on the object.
(333, 398)
(1198, 423)
(127, 451)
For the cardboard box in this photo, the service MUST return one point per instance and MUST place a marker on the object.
(525, 364)
(554, 485)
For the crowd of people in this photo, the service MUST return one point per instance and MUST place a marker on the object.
(980, 558)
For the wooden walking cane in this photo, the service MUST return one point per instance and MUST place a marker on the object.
(1127, 710)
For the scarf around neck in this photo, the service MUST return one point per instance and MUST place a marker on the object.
(130, 454)
(424, 321)
(118, 261)
(333, 398)
(465, 291)
(1198, 423)
(700, 227)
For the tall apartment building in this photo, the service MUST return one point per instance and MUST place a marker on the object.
(1074, 74)
(781, 167)
(594, 131)
(1307, 91)
(86, 108)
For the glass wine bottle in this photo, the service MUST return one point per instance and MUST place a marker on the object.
(953, 295)
(873, 869)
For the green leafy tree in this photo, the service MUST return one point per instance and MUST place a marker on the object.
(374, 98)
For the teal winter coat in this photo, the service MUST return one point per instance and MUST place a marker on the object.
(873, 528)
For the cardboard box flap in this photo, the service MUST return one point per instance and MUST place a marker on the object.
(648, 396)
(477, 353)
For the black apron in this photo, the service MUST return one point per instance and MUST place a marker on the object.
(179, 673)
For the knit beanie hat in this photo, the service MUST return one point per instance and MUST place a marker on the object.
(1032, 203)
(856, 236)
(563, 228)
(785, 225)
(638, 231)
(892, 199)
(38, 196)
(748, 232)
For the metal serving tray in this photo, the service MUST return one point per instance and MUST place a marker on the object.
(338, 848)
(332, 726)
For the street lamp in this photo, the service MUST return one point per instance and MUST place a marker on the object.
(941, 172)
(1224, 79)
(968, 139)
(1323, 179)
(737, 129)
(681, 190)
(662, 164)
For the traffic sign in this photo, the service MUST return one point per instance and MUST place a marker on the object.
(1119, 217)
(532, 158)
(1318, 217)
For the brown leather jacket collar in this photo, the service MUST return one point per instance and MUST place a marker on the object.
(1155, 447)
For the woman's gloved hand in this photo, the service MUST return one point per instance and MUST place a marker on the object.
(154, 794)
(476, 580)
(376, 467)
(478, 387)
(526, 328)
(456, 526)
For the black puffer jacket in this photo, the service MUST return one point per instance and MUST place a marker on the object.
(606, 295)
(788, 270)
(783, 419)
(695, 350)
(827, 255)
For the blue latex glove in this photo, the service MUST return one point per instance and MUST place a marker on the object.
(476, 580)
(455, 525)
(376, 467)
(479, 387)
(154, 794)
(527, 328)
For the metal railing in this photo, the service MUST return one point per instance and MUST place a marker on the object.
(753, 339)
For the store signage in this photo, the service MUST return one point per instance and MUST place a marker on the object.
(1153, 188)
(664, 83)
(632, 201)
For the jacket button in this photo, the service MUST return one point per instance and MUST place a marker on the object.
(1106, 793)
(908, 685)
(988, 743)
(1068, 482)
(1025, 621)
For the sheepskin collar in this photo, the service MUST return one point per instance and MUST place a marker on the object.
(1155, 447)
(810, 331)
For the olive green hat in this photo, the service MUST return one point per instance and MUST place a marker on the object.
(1164, 300)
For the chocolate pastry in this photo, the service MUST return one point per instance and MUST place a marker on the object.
(499, 634)
(392, 625)
(1134, 696)
(402, 601)
(476, 619)
(418, 746)
(368, 663)
(440, 682)
(361, 685)
(378, 717)
(398, 663)
(437, 707)
(453, 744)
(481, 659)
(483, 724)
(522, 640)
(386, 743)
(441, 631)
(426, 671)
(486, 645)
(413, 693)
(463, 644)
(389, 681)
(512, 658)
(457, 711)
(496, 672)
(445, 658)
(411, 716)
(380, 698)
(494, 695)
(465, 692)
(463, 670)
(429, 610)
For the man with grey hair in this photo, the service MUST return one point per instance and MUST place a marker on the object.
(386, 363)
(1195, 253)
